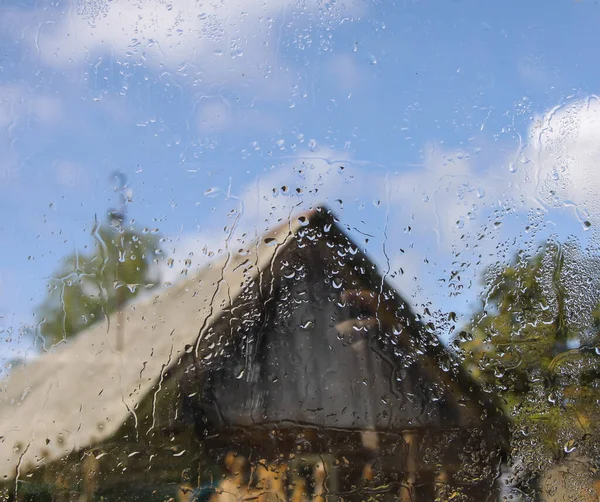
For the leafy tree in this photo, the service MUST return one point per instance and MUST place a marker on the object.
(534, 342)
(87, 287)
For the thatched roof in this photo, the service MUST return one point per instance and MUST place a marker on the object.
(83, 392)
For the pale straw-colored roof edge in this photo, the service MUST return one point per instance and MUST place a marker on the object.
(83, 392)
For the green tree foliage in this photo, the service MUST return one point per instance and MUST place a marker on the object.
(87, 287)
(534, 343)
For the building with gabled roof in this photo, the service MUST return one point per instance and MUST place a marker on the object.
(293, 349)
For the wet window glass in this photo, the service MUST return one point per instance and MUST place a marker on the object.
(312, 250)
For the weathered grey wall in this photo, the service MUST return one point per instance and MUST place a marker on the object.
(298, 368)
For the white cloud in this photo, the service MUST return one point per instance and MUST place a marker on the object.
(212, 42)
(461, 217)
(464, 217)
(447, 194)
(439, 201)
(558, 167)
(561, 164)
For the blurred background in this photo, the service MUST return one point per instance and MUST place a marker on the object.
(457, 143)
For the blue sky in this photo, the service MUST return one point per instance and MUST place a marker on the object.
(443, 114)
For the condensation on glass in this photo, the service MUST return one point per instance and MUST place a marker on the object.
(299, 251)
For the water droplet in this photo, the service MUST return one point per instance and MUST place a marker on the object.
(270, 241)
(312, 145)
(170, 262)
